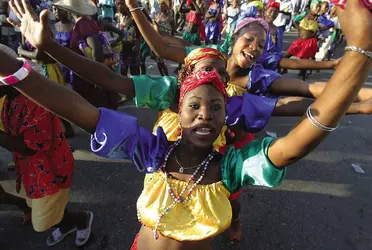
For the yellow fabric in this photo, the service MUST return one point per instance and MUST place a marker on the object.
(48, 211)
(258, 4)
(309, 25)
(207, 214)
(234, 90)
(1, 113)
(54, 73)
(168, 120)
(273, 37)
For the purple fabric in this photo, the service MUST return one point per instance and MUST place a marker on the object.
(213, 30)
(64, 38)
(252, 112)
(260, 80)
(118, 136)
(273, 51)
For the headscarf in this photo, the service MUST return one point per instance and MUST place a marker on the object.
(200, 78)
(258, 4)
(200, 54)
(248, 20)
(273, 4)
(314, 2)
(251, 11)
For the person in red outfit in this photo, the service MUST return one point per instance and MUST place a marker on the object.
(44, 165)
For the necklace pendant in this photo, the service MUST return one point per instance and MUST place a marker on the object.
(181, 170)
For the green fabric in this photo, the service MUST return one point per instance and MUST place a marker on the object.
(193, 38)
(157, 93)
(145, 49)
(250, 166)
(299, 17)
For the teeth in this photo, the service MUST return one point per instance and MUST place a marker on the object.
(203, 132)
(248, 54)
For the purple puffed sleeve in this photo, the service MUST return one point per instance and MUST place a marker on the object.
(118, 136)
(260, 80)
(251, 111)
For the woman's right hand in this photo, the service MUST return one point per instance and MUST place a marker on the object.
(358, 31)
(37, 31)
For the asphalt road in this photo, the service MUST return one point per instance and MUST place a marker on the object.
(322, 204)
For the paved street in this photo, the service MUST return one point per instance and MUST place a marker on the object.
(322, 204)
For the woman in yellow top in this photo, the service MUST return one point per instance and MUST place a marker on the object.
(306, 46)
(187, 210)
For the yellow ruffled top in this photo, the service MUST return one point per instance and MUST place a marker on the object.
(234, 90)
(207, 214)
(168, 120)
(309, 25)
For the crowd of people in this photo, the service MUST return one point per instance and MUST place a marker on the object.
(201, 152)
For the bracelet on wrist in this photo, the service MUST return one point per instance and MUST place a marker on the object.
(359, 50)
(136, 8)
(18, 76)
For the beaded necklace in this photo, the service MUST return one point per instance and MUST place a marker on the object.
(178, 199)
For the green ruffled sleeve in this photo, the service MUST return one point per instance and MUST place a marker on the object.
(213, 46)
(299, 17)
(250, 166)
(157, 93)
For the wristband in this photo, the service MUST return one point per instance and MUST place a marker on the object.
(18, 76)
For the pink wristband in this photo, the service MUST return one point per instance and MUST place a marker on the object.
(18, 76)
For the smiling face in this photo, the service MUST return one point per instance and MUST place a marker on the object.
(249, 45)
(202, 116)
(271, 14)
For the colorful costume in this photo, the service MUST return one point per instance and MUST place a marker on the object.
(64, 39)
(97, 96)
(305, 49)
(195, 19)
(118, 136)
(213, 29)
(129, 57)
(47, 174)
(272, 54)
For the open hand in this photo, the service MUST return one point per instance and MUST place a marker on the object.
(37, 31)
(356, 24)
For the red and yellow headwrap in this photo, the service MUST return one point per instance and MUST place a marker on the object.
(273, 4)
(200, 54)
(200, 78)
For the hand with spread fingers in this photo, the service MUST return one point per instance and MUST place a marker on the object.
(36, 30)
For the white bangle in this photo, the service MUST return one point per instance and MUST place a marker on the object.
(359, 50)
(137, 8)
(316, 123)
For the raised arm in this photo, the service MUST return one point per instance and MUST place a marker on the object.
(38, 34)
(154, 39)
(339, 93)
(52, 96)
